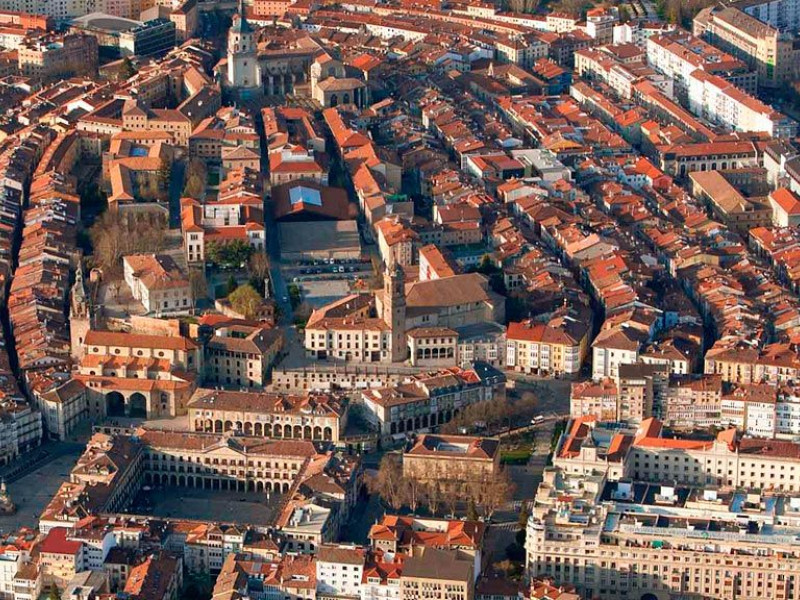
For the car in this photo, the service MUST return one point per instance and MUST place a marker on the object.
(286, 298)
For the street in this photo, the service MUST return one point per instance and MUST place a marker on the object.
(175, 193)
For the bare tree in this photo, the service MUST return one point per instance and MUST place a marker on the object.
(496, 491)
(433, 496)
(412, 492)
(195, 177)
(259, 265)
(198, 283)
(114, 236)
(456, 486)
(388, 483)
(451, 502)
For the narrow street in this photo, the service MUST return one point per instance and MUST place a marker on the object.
(175, 193)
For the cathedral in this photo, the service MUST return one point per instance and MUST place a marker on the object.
(247, 73)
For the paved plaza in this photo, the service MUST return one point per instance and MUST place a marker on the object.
(32, 492)
(219, 506)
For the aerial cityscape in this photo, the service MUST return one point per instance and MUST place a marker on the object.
(399, 300)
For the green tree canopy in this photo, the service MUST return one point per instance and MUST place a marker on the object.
(246, 301)
(231, 254)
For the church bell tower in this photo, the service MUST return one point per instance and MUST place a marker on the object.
(394, 310)
(243, 71)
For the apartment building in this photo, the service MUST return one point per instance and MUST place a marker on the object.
(774, 363)
(432, 346)
(657, 514)
(212, 461)
(340, 570)
(402, 534)
(241, 354)
(430, 400)
(692, 401)
(13, 559)
(719, 101)
(769, 51)
(677, 55)
(782, 14)
(158, 577)
(590, 447)
(640, 389)
(432, 574)
(382, 573)
(681, 159)
(787, 412)
(46, 59)
(596, 398)
(785, 206)
(396, 240)
(727, 203)
(64, 408)
(556, 347)
(623, 539)
(59, 558)
(750, 408)
(345, 328)
(614, 347)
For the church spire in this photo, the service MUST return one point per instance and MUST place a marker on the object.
(241, 25)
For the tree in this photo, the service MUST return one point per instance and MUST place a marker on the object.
(302, 313)
(229, 255)
(198, 283)
(54, 593)
(412, 492)
(515, 553)
(196, 178)
(114, 236)
(165, 172)
(523, 516)
(194, 187)
(150, 189)
(486, 265)
(232, 285)
(388, 482)
(433, 496)
(259, 265)
(295, 295)
(127, 70)
(573, 7)
(507, 568)
(246, 301)
(496, 491)
(472, 511)
(519, 537)
(681, 12)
